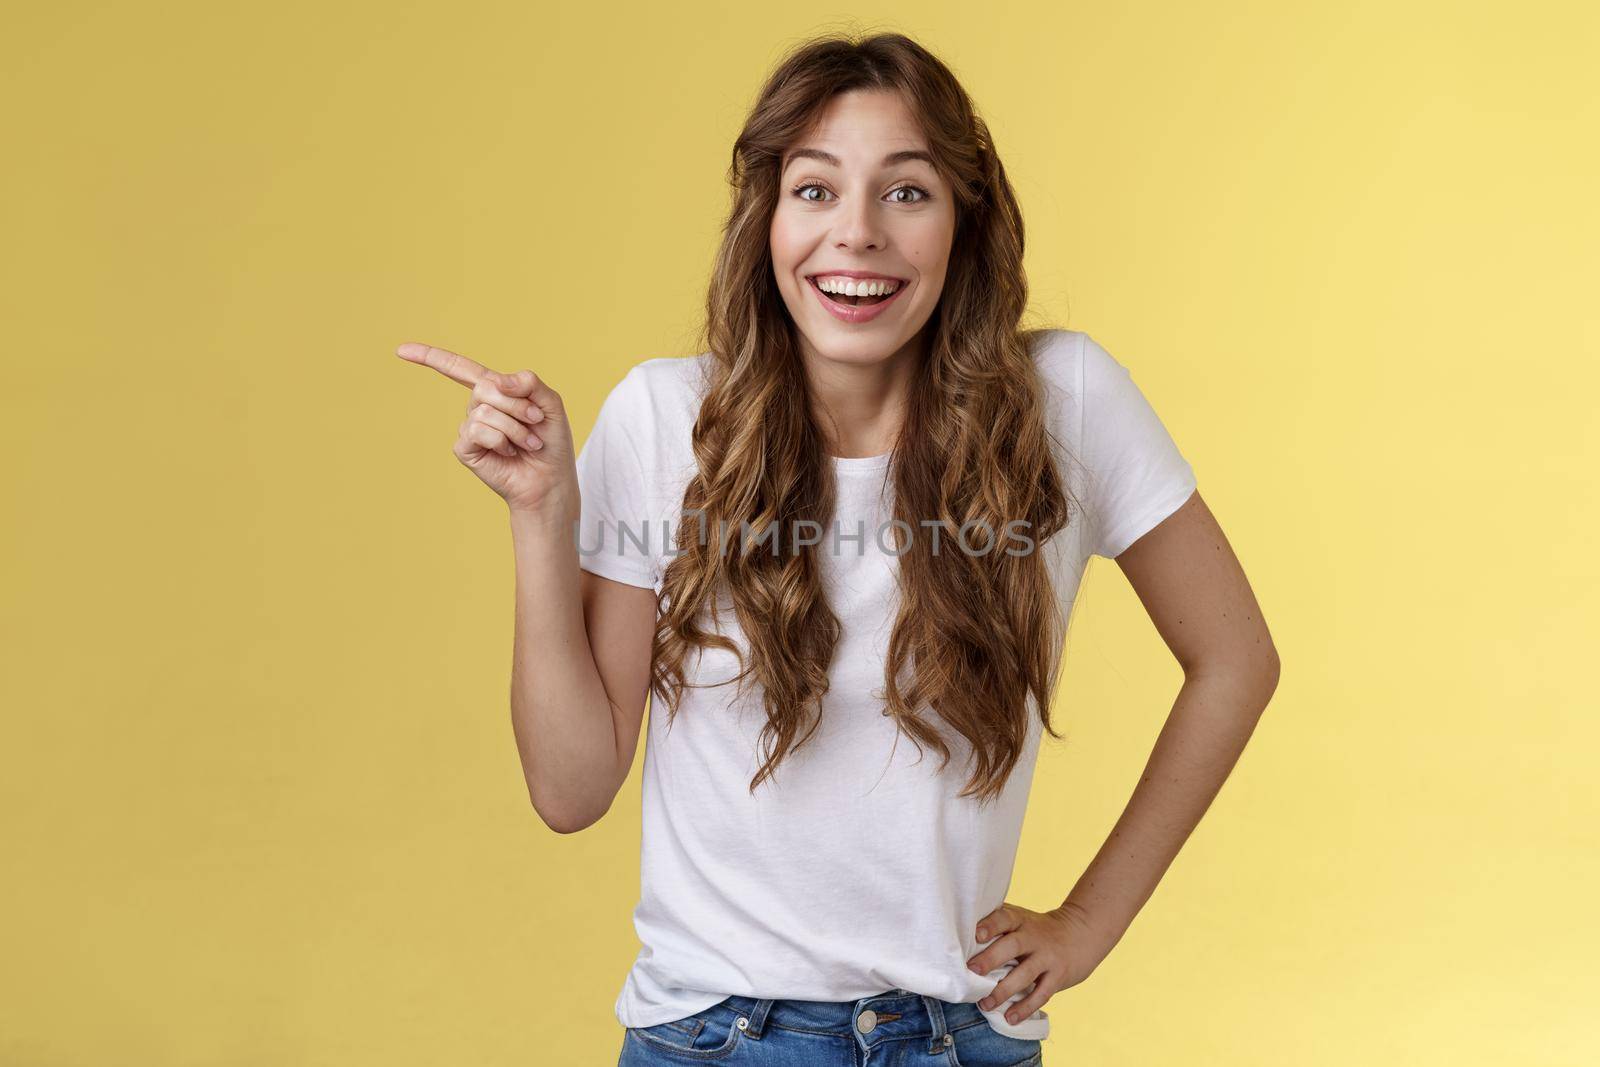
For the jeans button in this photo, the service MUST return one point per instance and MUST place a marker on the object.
(866, 1021)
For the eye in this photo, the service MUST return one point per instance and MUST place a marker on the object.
(908, 188)
(800, 191)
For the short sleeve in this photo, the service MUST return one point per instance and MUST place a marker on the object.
(1136, 476)
(615, 528)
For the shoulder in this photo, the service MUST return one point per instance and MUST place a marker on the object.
(664, 385)
(1058, 359)
(654, 406)
(1073, 361)
(671, 372)
(1092, 401)
(1054, 349)
(658, 392)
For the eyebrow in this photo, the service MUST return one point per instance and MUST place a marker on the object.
(905, 156)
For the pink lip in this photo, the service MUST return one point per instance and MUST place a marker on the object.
(861, 312)
(857, 274)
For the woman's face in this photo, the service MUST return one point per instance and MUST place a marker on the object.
(854, 197)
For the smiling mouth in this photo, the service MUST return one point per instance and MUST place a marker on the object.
(848, 301)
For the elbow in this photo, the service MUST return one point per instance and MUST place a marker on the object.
(1251, 673)
(560, 822)
(1270, 672)
(568, 817)
(566, 822)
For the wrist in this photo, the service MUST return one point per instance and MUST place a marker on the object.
(555, 511)
(1092, 925)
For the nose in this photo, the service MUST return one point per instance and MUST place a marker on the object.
(859, 227)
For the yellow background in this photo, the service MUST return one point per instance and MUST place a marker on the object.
(261, 799)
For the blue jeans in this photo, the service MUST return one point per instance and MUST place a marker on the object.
(893, 1029)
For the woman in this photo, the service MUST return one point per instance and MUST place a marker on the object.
(859, 517)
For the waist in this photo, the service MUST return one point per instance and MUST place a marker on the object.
(891, 1014)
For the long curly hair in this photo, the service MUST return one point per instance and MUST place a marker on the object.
(977, 634)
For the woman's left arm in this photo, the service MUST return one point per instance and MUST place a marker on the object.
(1189, 580)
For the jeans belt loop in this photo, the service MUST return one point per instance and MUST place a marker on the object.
(935, 1016)
(758, 1019)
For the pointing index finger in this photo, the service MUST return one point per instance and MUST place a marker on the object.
(452, 365)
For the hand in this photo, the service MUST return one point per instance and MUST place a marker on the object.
(1053, 949)
(498, 442)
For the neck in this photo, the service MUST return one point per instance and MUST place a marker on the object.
(860, 405)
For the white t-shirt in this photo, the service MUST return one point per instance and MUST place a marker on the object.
(856, 869)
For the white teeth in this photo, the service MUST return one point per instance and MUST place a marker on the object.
(852, 287)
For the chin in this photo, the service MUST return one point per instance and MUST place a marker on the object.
(845, 343)
(860, 347)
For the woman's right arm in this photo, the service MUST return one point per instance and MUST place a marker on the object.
(581, 652)
(580, 671)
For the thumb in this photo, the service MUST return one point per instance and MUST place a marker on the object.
(520, 383)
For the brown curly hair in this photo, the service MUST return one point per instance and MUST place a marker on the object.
(981, 632)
